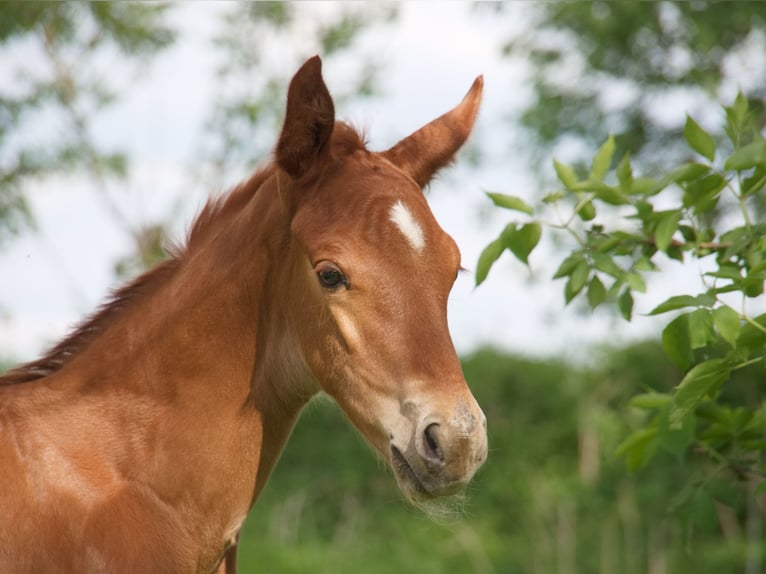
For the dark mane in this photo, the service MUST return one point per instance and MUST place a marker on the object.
(345, 140)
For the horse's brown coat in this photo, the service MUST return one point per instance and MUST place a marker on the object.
(139, 443)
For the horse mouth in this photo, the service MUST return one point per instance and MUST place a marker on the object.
(407, 477)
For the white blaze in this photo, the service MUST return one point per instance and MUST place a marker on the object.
(402, 218)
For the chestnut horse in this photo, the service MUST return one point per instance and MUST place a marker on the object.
(139, 443)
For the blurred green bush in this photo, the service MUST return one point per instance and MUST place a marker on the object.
(552, 498)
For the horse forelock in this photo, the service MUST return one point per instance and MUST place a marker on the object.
(347, 139)
(344, 141)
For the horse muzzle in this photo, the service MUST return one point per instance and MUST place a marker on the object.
(442, 454)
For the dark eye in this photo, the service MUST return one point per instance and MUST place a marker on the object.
(330, 277)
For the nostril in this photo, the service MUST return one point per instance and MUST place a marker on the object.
(432, 449)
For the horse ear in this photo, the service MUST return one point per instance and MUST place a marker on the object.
(309, 120)
(433, 146)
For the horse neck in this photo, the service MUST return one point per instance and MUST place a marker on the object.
(212, 314)
(211, 339)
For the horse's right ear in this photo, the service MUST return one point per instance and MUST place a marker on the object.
(309, 120)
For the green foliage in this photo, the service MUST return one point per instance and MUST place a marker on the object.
(70, 87)
(551, 497)
(713, 336)
(641, 54)
(70, 37)
(510, 202)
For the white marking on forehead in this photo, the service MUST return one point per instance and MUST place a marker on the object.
(403, 219)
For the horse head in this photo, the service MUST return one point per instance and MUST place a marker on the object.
(375, 271)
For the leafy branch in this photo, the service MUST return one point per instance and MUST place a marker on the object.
(620, 235)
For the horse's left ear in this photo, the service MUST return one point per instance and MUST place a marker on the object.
(433, 146)
(309, 120)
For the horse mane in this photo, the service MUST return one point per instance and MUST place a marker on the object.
(87, 330)
(216, 211)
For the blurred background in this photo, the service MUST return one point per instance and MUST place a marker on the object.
(118, 120)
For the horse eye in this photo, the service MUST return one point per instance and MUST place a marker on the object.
(330, 277)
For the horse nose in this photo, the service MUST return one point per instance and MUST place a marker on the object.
(431, 449)
(453, 448)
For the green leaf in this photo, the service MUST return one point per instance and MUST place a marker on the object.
(683, 173)
(753, 336)
(688, 233)
(566, 174)
(727, 323)
(644, 186)
(713, 412)
(625, 304)
(698, 139)
(612, 195)
(636, 282)
(577, 280)
(602, 160)
(488, 256)
(644, 264)
(602, 191)
(569, 264)
(587, 212)
(689, 172)
(755, 182)
(675, 341)
(727, 271)
(596, 292)
(701, 380)
(725, 289)
(681, 301)
(749, 156)
(736, 118)
(605, 263)
(509, 202)
(554, 197)
(752, 284)
(675, 436)
(638, 448)
(702, 194)
(604, 243)
(666, 227)
(625, 174)
(522, 240)
(739, 239)
(651, 401)
(701, 331)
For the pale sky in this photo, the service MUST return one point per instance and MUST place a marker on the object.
(52, 278)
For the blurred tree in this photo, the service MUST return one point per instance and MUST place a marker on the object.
(640, 71)
(56, 83)
(260, 44)
(552, 498)
(59, 81)
(622, 226)
(632, 68)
